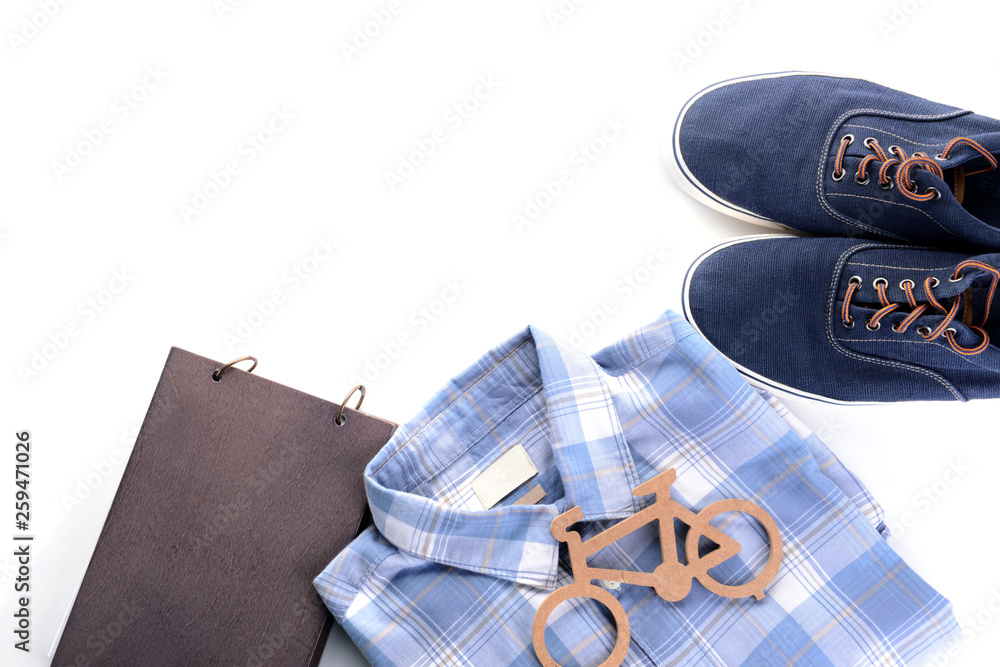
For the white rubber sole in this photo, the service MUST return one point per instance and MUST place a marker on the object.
(753, 377)
(682, 176)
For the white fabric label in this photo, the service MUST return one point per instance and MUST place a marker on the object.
(507, 473)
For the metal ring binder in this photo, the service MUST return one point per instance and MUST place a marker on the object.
(339, 420)
(217, 375)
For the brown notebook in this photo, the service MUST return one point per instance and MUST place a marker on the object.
(237, 493)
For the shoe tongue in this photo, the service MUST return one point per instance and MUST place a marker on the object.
(955, 178)
(978, 298)
(965, 160)
(967, 316)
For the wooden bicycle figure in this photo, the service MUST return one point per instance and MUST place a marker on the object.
(672, 580)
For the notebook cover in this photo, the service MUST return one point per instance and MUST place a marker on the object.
(236, 495)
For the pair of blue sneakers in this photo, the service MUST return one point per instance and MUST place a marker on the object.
(892, 299)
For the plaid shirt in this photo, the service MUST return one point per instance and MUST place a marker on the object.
(439, 580)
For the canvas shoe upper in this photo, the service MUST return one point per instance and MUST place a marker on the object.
(847, 320)
(835, 156)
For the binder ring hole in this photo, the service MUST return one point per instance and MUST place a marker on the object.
(340, 419)
(217, 373)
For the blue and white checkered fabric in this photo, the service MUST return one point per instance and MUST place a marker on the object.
(440, 580)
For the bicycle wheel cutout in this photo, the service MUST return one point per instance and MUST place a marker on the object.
(729, 547)
(581, 591)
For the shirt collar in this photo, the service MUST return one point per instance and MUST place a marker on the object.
(512, 542)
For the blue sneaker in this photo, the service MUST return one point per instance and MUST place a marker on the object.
(833, 156)
(850, 321)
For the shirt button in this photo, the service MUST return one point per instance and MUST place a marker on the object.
(611, 585)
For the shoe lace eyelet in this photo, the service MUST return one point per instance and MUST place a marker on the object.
(849, 138)
(902, 284)
(880, 281)
(940, 156)
(937, 193)
(924, 331)
(934, 282)
(951, 330)
(840, 177)
(896, 150)
(855, 280)
(869, 141)
(895, 328)
(861, 182)
(956, 279)
(848, 324)
(878, 325)
(888, 185)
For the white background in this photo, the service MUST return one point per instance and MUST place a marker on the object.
(64, 234)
